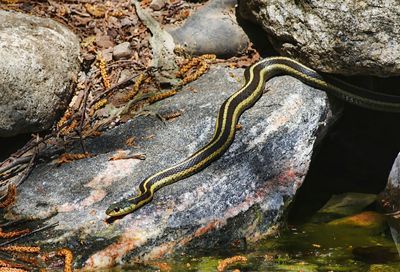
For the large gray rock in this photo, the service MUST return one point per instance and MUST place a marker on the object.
(241, 197)
(391, 195)
(389, 201)
(39, 62)
(345, 37)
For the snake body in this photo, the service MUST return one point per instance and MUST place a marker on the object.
(230, 111)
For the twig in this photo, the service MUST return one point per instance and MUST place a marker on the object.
(13, 223)
(27, 170)
(14, 163)
(30, 166)
(12, 172)
(18, 153)
(9, 196)
(29, 234)
(29, 146)
(82, 144)
(122, 84)
(27, 159)
(83, 116)
(11, 258)
(83, 106)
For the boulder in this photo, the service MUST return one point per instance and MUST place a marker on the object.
(208, 29)
(39, 65)
(344, 37)
(389, 201)
(239, 199)
(390, 196)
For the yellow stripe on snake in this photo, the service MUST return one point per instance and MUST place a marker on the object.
(230, 111)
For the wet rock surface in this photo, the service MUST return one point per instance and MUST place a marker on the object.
(345, 37)
(39, 60)
(239, 198)
(208, 30)
(390, 196)
(389, 201)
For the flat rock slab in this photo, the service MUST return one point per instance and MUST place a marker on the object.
(239, 198)
(346, 37)
(39, 60)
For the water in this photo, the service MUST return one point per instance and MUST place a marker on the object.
(329, 241)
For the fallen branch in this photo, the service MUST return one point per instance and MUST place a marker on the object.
(29, 234)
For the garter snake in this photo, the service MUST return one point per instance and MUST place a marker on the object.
(230, 111)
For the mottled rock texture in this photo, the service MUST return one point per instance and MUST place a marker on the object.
(391, 195)
(241, 197)
(39, 63)
(390, 201)
(345, 37)
(213, 29)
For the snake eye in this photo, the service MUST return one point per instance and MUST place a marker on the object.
(117, 209)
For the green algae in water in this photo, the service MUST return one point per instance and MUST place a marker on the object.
(314, 246)
(328, 242)
(310, 247)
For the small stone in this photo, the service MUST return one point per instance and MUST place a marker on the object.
(375, 254)
(124, 75)
(107, 54)
(368, 219)
(104, 41)
(348, 203)
(157, 4)
(122, 50)
(129, 21)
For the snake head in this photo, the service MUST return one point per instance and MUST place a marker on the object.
(120, 208)
(128, 205)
